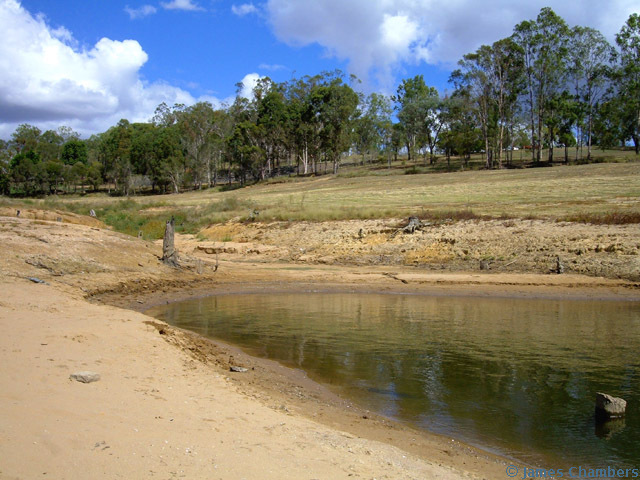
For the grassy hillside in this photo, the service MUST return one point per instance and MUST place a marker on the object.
(600, 193)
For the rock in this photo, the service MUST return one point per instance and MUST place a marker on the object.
(238, 369)
(37, 280)
(610, 407)
(85, 377)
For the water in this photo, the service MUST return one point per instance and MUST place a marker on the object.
(513, 375)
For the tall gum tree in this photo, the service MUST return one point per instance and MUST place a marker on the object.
(627, 78)
(589, 61)
(544, 43)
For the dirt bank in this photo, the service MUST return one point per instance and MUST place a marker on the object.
(166, 405)
(513, 246)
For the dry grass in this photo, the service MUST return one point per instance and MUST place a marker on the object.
(596, 193)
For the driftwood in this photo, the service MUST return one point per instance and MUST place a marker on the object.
(169, 252)
(413, 225)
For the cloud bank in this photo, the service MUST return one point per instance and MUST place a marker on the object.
(46, 80)
(378, 36)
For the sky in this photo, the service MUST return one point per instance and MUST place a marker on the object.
(87, 64)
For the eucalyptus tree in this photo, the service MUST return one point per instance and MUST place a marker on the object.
(334, 104)
(589, 64)
(168, 166)
(320, 114)
(271, 119)
(243, 147)
(462, 136)
(544, 45)
(492, 79)
(115, 151)
(417, 105)
(627, 79)
(74, 151)
(372, 130)
(198, 130)
(25, 138)
(5, 158)
(49, 146)
(301, 126)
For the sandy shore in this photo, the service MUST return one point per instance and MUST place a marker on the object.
(166, 405)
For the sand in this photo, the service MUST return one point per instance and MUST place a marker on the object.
(166, 405)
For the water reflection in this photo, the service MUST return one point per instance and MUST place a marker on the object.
(518, 375)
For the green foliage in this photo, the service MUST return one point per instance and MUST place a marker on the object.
(627, 79)
(74, 151)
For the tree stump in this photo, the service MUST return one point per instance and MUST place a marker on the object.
(559, 267)
(414, 224)
(169, 253)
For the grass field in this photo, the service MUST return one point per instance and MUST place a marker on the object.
(599, 193)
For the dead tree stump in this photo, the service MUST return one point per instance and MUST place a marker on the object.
(169, 252)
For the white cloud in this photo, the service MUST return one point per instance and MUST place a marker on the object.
(181, 5)
(377, 36)
(45, 80)
(249, 82)
(272, 67)
(143, 11)
(244, 9)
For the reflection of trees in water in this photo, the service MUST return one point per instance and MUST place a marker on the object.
(520, 372)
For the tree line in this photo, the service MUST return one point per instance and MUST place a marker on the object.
(546, 85)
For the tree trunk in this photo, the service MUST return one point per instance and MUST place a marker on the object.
(169, 253)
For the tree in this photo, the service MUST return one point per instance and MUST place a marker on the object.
(418, 106)
(372, 130)
(197, 131)
(245, 153)
(302, 126)
(25, 138)
(55, 174)
(168, 165)
(27, 170)
(115, 146)
(544, 47)
(627, 79)
(5, 158)
(271, 119)
(493, 81)
(74, 151)
(336, 104)
(49, 145)
(589, 59)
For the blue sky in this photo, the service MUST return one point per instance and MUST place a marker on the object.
(88, 63)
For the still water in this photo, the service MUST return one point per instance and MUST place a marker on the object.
(515, 376)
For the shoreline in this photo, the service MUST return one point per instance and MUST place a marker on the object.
(347, 410)
(70, 323)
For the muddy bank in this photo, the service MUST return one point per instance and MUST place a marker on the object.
(504, 246)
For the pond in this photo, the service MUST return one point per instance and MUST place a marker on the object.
(515, 376)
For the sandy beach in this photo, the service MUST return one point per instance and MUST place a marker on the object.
(166, 404)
